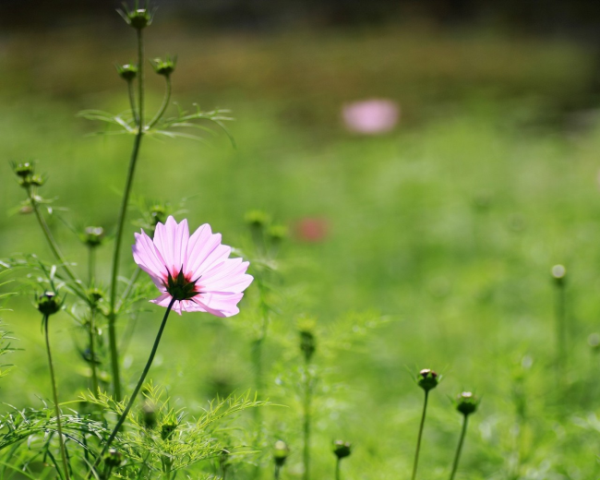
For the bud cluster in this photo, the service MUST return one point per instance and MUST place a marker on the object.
(263, 230)
(27, 176)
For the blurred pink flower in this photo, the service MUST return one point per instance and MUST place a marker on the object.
(371, 116)
(196, 271)
(311, 229)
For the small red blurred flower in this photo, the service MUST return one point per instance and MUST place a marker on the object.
(311, 229)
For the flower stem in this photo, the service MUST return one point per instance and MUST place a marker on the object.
(460, 445)
(138, 387)
(61, 440)
(561, 330)
(416, 463)
(112, 317)
(91, 266)
(52, 243)
(164, 105)
(132, 103)
(338, 462)
(92, 342)
(307, 419)
(277, 472)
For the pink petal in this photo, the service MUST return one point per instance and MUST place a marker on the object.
(171, 240)
(147, 256)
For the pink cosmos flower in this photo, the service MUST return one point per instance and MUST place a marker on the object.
(371, 117)
(196, 271)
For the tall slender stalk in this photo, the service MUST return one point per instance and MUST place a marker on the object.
(307, 418)
(338, 463)
(91, 265)
(561, 326)
(112, 317)
(416, 462)
(138, 387)
(61, 440)
(92, 342)
(460, 445)
(165, 103)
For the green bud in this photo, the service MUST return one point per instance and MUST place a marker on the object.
(95, 295)
(127, 71)
(24, 170)
(559, 272)
(342, 449)
(48, 304)
(280, 453)
(158, 214)
(138, 18)
(257, 219)
(149, 415)
(113, 458)
(467, 403)
(427, 379)
(277, 233)
(167, 429)
(93, 236)
(164, 67)
(307, 344)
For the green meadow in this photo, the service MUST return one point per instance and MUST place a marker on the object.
(438, 241)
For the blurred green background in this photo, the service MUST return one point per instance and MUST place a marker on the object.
(441, 232)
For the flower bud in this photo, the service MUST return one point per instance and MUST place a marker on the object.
(467, 403)
(24, 170)
(149, 415)
(164, 67)
(95, 295)
(257, 219)
(93, 236)
(48, 304)
(127, 71)
(167, 429)
(158, 214)
(113, 458)
(342, 449)
(307, 344)
(36, 181)
(277, 233)
(280, 453)
(138, 18)
(427, 379)
(559, 272)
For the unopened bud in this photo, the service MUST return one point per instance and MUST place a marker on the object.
(95, 295)
(307, 344)
(342, 449)
(427, 379)
(158, 214)
(127, 71)
(24, 170)
(559, 272)
(48, 304)
(139, 18)
(277, 233)
(257, 219)
(149, 415)
(165, 66)
(36, 180)
(467, 403)
(280, 453)
(167, 429)
(93, 236)
(113, 458)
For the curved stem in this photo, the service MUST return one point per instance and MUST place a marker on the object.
(460, 445)
(92, 342)
(414, 474)
(112, 317)
(138, 387)
(61, 440)
(307, 420)
(164, 105)
(51, 242)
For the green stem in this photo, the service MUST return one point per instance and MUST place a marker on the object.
(112, 317)
(164, 105)
(277, 472)
(92, 342)
(307, 420)
(138, 387)
(91, 266)
(51, 242)
(337, 468)
(561, 330)
(136, 118)
(414, 474)
(61, 440)
(460, 445)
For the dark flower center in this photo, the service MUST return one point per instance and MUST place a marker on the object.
(181, 287)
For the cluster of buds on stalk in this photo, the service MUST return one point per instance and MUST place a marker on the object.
(266, 235)
(27, 176)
